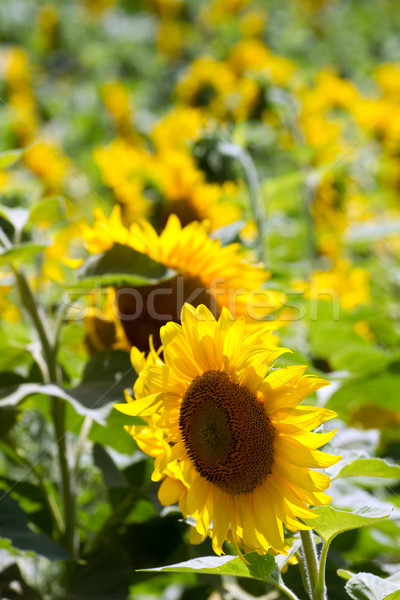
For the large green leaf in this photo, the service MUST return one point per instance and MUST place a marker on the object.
(331, 521)
(365, 586)
(49, 210)
(121, 266)
(382, 390)
(10, 157)
(106, 377)
(19, 254)
(370, 467)
(259, 567)
(14, 527)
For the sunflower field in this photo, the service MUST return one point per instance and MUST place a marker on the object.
(200, 299)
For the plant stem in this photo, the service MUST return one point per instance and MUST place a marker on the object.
(58, 406)
(257, 205)
(322, 565)
(311, 564)
(285, 590)
(302, 569)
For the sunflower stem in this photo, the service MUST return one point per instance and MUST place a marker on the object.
(288, 592)
(58, 405)
(311, 564)
(257, 204)
(322, 565)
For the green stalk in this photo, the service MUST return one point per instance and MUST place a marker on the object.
(285, 590)
(312, 567)
(257, 205)
(322, 566)
(58, 407)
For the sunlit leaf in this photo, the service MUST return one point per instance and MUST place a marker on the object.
(382, 390)
(20, 253)
(106, 377)
(331, 521)
(370, 467)
(10, 157)
(259, 567)
(365, 586)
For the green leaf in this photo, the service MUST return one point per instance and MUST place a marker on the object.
(370, 467)
(48, 209)
(10, 157)
(331, 521)
(382, 390)
(121, 266)
(111, 474)
(259, 567)
(365, 586)
(20, 253)
(14, 527)
(106, 377)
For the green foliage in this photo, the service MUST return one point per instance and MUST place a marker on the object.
(80, 516)
(365, 586)
(331, 522)
(121, 266)
(256, 567)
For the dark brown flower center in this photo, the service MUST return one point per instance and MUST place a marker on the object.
(226, 433)
(144, 310)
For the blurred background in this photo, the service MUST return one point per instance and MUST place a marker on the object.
(189, 107)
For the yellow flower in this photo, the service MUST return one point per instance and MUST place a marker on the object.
(20, 94)
(219, 11)
(116, 99)
(188, 195)
(126, 170)
(208, 83)
(252, 23)
(253, 55)
(208, 273)
(177, 129)
(344, 283)
(388, 77)
(232, 443)
(48, 163)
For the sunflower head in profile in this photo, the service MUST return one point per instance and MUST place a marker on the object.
(206, 273)
(232, 443)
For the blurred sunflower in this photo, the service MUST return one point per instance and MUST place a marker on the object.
(232, 444)
(206, 273)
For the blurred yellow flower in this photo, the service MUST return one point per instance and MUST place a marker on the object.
(343, 283)
(211, 274)
(20, 94)
(116, 99)
(253, 55)
(47, 162)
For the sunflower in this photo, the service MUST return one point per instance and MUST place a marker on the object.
(231, 441)
(206, 273)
